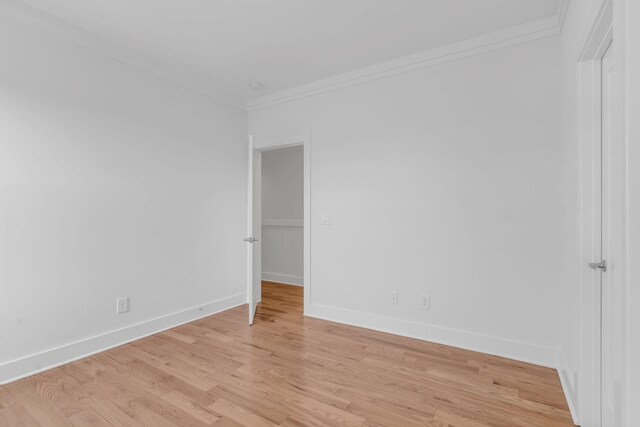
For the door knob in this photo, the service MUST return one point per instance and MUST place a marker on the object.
(251, 240)
(602, 265)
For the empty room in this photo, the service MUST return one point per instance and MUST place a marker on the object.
(320, 213)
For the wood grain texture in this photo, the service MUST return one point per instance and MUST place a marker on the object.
(286, 370)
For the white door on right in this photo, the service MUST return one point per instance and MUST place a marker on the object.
(612, 247)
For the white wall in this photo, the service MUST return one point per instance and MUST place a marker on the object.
(113, 182)
(282, 215)
(442, 181)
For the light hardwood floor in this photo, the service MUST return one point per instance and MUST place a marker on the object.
(286, 370)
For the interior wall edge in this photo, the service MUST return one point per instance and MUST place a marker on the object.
(18, 369)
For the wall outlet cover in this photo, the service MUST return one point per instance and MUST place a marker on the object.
(122, 305)
(425, 302)
(394, 297)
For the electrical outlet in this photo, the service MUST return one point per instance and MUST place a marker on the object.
(425, 302)
(394, 297)
(122, 305)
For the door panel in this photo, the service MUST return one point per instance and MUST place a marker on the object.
(257, 228)
(254, 227)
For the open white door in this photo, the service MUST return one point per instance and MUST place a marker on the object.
(254, 227)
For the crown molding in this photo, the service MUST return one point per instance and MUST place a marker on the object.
(77, 35)
(19, 11)
(533, 30)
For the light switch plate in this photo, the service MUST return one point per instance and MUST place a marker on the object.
(326, 218)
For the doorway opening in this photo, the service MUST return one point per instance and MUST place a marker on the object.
(278, 256)
(282, 243)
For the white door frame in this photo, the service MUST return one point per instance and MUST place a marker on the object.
(589, 69)
(303, 140)
(598, 40)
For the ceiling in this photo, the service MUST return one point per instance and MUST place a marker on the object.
(223, 45)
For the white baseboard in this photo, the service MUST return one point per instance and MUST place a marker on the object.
(29, 365)
(283, 278)
(568, 385)
(517, 350)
